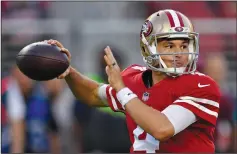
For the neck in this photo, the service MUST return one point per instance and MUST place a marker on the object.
(158, 76)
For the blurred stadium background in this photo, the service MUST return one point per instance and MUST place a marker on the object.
(64, 124)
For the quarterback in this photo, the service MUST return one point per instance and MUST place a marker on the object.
(169, 105)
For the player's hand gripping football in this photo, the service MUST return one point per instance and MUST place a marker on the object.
(64, 50)
(113, 70)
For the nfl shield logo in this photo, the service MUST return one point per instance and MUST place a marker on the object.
(145, 96)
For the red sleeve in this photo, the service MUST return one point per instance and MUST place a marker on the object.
(127, 74)
(203, 102)
(112, 100)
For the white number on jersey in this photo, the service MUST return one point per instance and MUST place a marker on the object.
(144, 141)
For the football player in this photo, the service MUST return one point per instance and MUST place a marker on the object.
(169, 106)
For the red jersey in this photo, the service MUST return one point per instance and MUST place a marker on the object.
(195, 92)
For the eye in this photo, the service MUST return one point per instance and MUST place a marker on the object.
(168, 46)
(184, 46)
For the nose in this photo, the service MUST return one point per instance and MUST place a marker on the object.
(178, 52)
(178, 55)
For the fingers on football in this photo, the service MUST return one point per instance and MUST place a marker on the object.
(55, 42)
(62, 76)
(50, 41)
(64, 50)
(58, 44)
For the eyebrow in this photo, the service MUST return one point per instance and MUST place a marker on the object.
(169, 41)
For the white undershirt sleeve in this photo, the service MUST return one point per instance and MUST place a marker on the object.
(102, 93)
(180, 117)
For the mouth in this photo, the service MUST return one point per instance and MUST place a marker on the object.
(177, 64)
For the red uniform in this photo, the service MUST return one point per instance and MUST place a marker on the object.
(195, 92)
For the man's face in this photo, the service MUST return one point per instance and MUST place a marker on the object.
(174, 46)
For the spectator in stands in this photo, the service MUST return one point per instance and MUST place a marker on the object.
(12, 116)
(53, 89)
(62, 105)
(28, 106)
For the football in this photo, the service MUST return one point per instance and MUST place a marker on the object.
(42, 61)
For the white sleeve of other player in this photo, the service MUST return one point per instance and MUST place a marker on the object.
(15, 102)
(180, 117)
